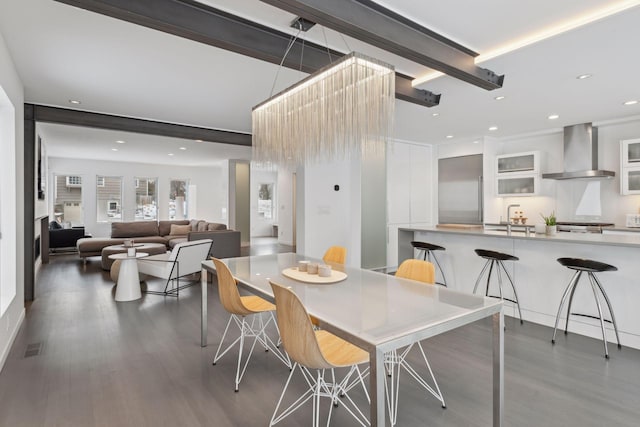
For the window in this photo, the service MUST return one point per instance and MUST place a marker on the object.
(109, 198)
(146, 199)
(178, 199)
(74, 181)
(67, 199)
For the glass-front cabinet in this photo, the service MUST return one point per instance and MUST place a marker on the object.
(630, 180)
(518, 163)
(630, 152)
(630, 166)
(518, 174)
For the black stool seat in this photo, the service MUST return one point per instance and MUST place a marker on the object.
(495, 264)
(426, 246)
(428, 249)
(486, 254)
(586, 265)
(589, 267)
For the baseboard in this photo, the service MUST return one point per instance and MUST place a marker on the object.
(12, 338)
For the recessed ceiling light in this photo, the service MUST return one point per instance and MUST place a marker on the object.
(631, 102)
(449, 136)
(183, 148)
(553, 117)
(170, 154)
(199, 140)
(477, 141)
(74, 101)
(499, 98)
(120, 141)
(584, 76)
(492, 128)
(435, 114)
(114, 149)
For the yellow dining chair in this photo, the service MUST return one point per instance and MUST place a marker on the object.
(335, 254)
(310, 349)
(421, 271)
(241, 307)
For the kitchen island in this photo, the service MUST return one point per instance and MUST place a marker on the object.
(540, 280)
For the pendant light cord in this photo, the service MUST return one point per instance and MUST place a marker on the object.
(291, 43)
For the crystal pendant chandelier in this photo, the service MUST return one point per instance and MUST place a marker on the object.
(342, 110)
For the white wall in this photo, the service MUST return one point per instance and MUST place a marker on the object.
(285, 207)
(328, 214)
(211, 183)
(13, 220)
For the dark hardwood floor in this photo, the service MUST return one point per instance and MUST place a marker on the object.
(98, 363)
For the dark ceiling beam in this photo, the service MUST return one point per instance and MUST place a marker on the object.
(373, 24)
(65, 116)
(204, 24)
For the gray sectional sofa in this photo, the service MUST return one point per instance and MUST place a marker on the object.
(226, 243)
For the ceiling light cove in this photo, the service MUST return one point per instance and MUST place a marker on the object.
(545, 33)
(631, 102)
(553, 116)
(492, 128)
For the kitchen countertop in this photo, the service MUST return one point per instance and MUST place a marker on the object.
(561, 237)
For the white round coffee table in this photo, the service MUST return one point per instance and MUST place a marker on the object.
(128, 288)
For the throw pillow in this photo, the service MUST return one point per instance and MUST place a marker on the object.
(213, 226)
(202, 226)
(194, 224)
(179, 230)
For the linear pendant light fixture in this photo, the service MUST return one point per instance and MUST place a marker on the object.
(342, 110)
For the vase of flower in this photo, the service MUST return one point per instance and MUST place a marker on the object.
(551, 226)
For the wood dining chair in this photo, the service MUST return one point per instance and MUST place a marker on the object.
(421, 271)
(240, 308)
(317, 350)
(335, 254)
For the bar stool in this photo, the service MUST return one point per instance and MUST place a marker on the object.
(496, 259)
(429, 249)
(590, 267)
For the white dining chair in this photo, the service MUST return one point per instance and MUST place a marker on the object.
(184, 259)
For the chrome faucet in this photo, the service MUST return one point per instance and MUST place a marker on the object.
(509, 212)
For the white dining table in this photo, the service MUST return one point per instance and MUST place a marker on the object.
(375, 311)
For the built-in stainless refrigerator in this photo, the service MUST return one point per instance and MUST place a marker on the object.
(460, 193)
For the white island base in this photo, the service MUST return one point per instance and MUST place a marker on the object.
(539, 279)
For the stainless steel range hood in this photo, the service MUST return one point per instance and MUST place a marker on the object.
(580, 154)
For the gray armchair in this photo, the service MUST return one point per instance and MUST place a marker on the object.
(64, 237)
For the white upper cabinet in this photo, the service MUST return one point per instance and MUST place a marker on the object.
(630, 152)
(528, 162)
(409, 183)
(630, 166)
(518, 174)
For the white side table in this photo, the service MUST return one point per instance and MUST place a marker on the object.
(128, 288)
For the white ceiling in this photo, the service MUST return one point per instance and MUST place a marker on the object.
(115, 67)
